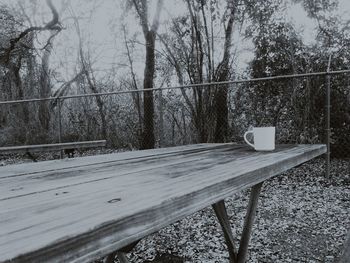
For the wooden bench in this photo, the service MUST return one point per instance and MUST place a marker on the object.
(81, 209)
(68, 147)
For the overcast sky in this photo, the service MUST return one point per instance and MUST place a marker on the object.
(100, 22)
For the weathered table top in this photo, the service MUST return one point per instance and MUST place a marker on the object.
(77, 210)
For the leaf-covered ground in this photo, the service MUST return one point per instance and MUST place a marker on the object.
(302, 217)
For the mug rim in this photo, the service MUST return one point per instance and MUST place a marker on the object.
(267, 127)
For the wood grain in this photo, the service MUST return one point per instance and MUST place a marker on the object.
(85, 208)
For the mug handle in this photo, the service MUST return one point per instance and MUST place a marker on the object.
(246, 140)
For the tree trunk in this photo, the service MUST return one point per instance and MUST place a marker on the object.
(148, 105)
(150, 37)
(184, 141)
(222, 74)
(86, 66)
(17, 81)
(45, 89)
(135, 96)
(100, 104)
(221, 127)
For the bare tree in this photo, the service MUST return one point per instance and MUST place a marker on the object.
(45, 86)
(135, 96)
(141, 7)
(86, 69)
(17, 41)
(190, 49)
(18, 49)
(222, 73)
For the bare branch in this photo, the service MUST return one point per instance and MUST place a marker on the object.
(142, 13)
(171, 58)
(54, 12)
(49, 41)
(133, 75)
(64, 88)
(52, 25)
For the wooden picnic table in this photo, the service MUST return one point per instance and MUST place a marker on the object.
(78, 210)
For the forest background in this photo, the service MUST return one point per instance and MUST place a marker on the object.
(63, 48)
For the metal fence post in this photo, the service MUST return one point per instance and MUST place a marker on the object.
(60, 125)
(161, 119)
(328, 120)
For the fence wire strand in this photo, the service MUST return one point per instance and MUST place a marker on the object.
(210, 112)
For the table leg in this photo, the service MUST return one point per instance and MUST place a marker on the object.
(121, 254)
(121, 257)
(110, 258)
(221, 214)
(248, 223)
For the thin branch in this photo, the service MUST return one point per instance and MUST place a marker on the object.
(49, 41)
(129, 58)
(171, 58)
(64, 88)
(54, 12)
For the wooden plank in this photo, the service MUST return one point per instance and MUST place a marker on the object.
(26, 184)
(105, 159)
(51, 147)
(126, 201)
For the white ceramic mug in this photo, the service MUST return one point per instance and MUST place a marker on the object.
(264, 138)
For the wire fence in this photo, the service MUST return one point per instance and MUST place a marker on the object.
(213, 112)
